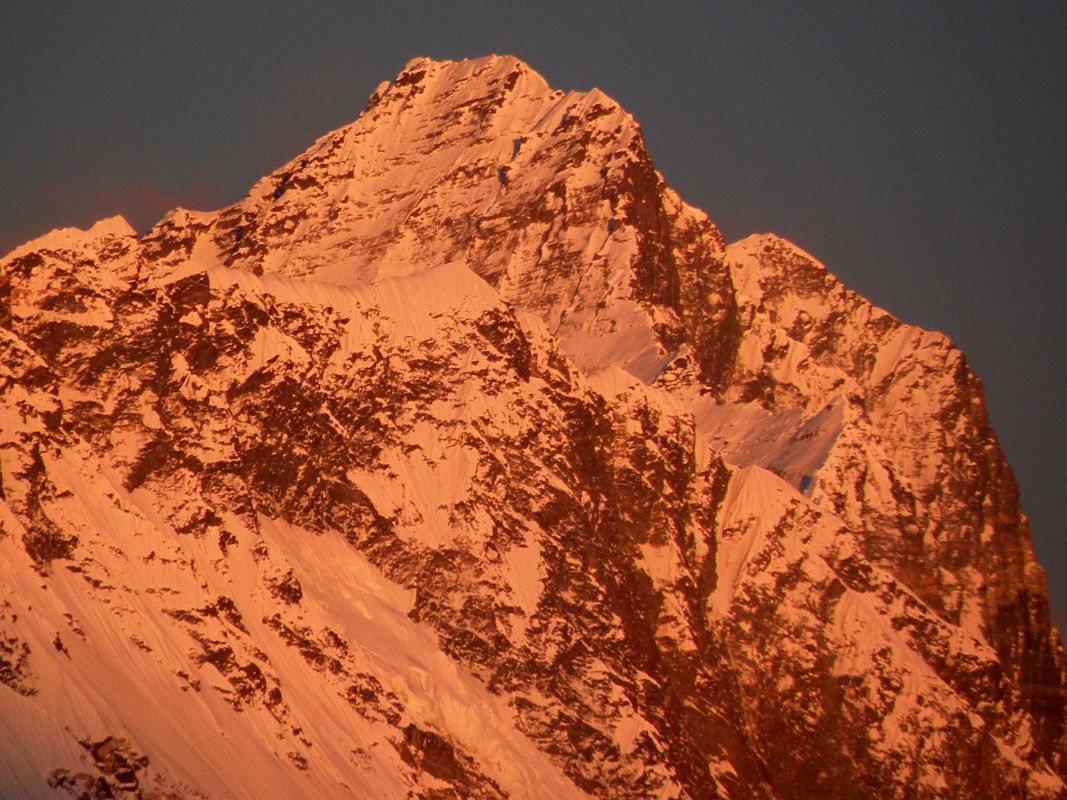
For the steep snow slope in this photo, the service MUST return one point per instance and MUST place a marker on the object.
(461, 458)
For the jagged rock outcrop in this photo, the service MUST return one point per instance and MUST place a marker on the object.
(461, 458)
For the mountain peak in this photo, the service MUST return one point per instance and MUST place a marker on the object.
(447, 83)
(463, 452)
(458, 160)
(496, 64)
(74, 238)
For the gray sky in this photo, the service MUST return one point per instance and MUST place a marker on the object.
(915, 148)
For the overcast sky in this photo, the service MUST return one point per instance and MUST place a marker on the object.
(915, 148)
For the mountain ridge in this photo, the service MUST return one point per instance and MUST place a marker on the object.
(533, 388)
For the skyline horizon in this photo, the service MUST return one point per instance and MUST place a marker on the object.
(1015, 353)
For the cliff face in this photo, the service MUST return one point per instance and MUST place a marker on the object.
(462, 458)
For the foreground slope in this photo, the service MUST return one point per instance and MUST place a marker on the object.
(462, 458)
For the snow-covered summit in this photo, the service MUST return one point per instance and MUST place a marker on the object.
(463, 458)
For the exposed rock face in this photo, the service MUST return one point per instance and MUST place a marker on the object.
(463, 459)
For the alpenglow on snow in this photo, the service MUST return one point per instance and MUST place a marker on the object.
(463, 458)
